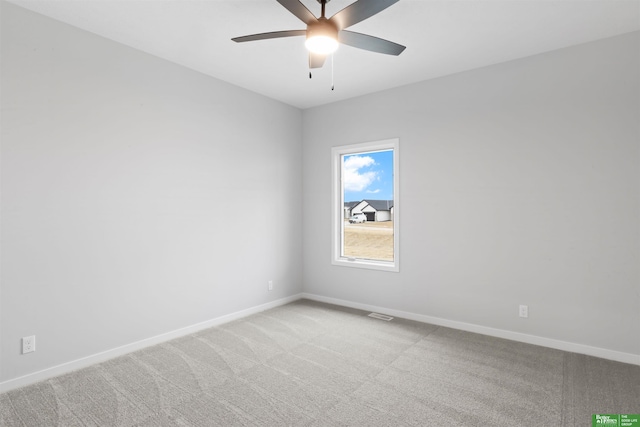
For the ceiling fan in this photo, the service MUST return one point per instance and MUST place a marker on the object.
(324, 35)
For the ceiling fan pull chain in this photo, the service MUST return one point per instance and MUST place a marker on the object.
(332, 86)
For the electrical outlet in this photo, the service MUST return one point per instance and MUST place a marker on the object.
(270, 285)
(524, 311)
(28, 344)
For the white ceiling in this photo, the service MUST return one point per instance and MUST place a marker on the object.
(442, 37)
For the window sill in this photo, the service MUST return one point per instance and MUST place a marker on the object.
(367, 264)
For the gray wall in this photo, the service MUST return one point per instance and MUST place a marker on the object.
(138, 197)
(519, 185)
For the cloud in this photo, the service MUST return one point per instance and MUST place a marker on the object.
(377, 190)
(354, 179)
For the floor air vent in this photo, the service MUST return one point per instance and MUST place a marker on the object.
(380, 316)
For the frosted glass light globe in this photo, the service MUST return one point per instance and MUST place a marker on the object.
(322, 45)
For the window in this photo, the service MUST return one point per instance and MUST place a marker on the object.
(366, 205)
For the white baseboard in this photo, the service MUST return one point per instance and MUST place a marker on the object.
(500, 333)
(138, 345)
(603, 353)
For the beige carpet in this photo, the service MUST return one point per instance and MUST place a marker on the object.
(311, 364)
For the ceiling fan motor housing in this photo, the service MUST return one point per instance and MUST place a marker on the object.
(322, 28)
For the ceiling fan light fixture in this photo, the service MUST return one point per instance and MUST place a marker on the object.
(322, 37)
(322, 45)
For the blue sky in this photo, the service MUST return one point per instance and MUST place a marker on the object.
(368, 176)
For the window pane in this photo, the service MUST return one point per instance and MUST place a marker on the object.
(365, 204)
(367, 195)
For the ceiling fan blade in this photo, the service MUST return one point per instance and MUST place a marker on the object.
(272, 35)
(366, 42)
(316, 60)
(299, 10)
(359, 11)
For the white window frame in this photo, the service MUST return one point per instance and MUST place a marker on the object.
(337, 216)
